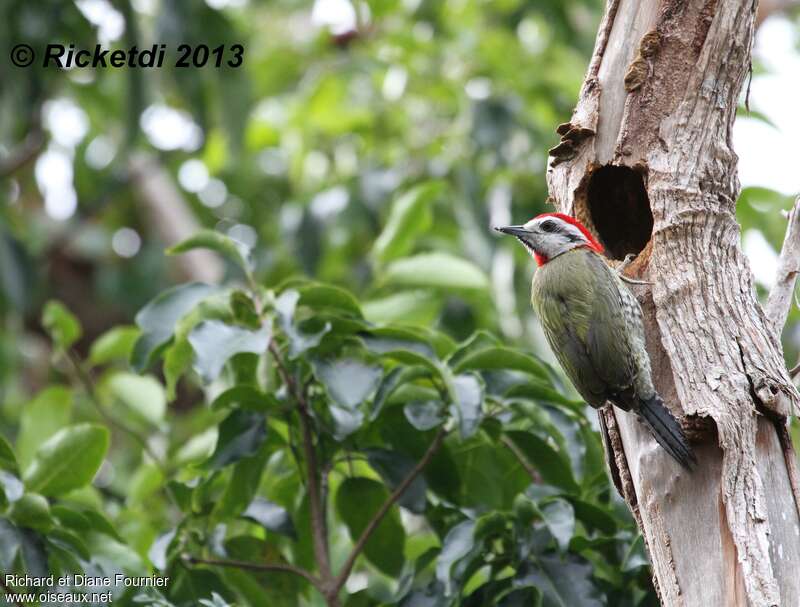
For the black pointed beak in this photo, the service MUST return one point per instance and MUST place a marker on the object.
(513, 230)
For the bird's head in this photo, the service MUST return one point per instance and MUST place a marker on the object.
(547, 236)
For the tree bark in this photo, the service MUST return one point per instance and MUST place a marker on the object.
(646, 162)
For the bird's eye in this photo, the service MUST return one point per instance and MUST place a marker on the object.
(548, 226)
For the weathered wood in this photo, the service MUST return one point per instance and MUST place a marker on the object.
(658, 103)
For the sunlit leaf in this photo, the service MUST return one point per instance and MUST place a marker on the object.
(32, 511)
(467, 403)
(236, 251)
(142, 395)
(271, 516)
(68, 460)
(441, 271)
(457, 545)
(349, 382)
(158, 318)
(423, 415)
(61, 324)
(410, 215)
(115, 344)
(215, 342)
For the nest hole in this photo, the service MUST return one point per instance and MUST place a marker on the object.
(619, 210)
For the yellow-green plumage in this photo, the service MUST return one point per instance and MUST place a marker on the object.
(594, 326)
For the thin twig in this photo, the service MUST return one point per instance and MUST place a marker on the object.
(512, 446)
(264, 567)
(88, 387)
(780, 298)
(23, 154)
(378, 516)
(319, 528)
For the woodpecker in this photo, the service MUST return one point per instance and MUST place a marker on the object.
(594, 325)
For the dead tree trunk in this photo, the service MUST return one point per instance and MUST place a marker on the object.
(646, 162)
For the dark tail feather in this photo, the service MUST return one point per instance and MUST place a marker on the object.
(667, 431)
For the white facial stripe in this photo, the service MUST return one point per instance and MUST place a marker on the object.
(556, 237)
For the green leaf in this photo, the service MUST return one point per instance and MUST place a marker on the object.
(244, 310)
(214, 342)
(142, 395)
(68, 460)
(114, 344)
(559, 517)
(458, 544)
(551, 464)
(423, 415)
(563, 582)
(346, 421)
(409, 217)
(391, 381)
(501, 358)
(271, 516)
(10, 543)
(393, 467)
(594, 517)
(158, 549)
(241, 434)
(441, 271)
(8, 460)
(99, 523)
(178, 359)
(243, 484)
(419, 307)
(32, 511)
(357, 501)
(245, 397)
(11, 486)
(41, 418)
(299, 341)
(158, 318)
(322, 297)
(468, 400)
(236, 251)
(62, 326)
(348, 381)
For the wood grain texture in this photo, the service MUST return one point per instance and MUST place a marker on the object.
(729, 532)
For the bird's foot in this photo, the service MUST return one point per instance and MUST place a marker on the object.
(621, 269)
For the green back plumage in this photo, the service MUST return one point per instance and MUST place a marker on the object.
(586, 317)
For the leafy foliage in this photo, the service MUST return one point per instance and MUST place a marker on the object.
(312, 446)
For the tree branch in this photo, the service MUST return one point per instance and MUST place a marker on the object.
(263, 567)
(512, 446)
(378, 516)
(319, 528)
(88, 387)
(23, 154)
(780, 298)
